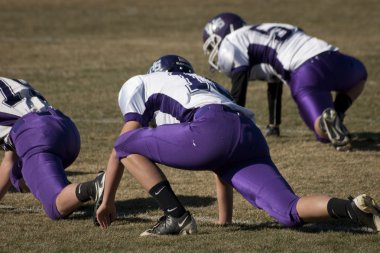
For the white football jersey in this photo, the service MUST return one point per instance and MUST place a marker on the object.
(167, 98)
(269, 49)
(17, 99)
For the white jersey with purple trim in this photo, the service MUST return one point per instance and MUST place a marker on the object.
(168, 98)
(17, 99)
(269, 50)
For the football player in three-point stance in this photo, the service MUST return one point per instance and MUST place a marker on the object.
(39, 143)
(199, 127)
(311, 67)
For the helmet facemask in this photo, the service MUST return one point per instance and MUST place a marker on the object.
(210, 48)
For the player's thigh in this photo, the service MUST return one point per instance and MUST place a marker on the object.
(311, 104)
(195, 145)
(44, 132)
(348, 71)
(262, 185)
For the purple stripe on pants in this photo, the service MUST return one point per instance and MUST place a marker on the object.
(225, 142)
(47, 143)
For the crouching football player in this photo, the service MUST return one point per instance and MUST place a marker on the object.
(199, 127)
(39, 143)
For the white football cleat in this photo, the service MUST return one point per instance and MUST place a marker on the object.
(367, 211)
(333, 126)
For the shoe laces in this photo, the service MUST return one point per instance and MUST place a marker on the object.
(160, 221)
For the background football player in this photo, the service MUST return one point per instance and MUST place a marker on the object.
(311, 67)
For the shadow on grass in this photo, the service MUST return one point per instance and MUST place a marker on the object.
(366, 141)
(333, 226)
(128, 211)
(128, 208)
(77, 173)
(313, 228)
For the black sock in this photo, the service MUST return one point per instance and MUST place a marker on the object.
(341, 209)
(86, 191)
(166, 199)
(274, 95)
(342, 103)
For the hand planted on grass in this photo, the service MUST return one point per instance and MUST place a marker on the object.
(105, 215)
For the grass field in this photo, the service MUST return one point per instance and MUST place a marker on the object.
(78, 53)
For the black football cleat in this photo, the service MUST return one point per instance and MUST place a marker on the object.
(99, 185)
(168, 225)
(272, 131)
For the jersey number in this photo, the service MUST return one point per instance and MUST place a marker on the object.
(10, 97)
(196, 83)
(280, 33)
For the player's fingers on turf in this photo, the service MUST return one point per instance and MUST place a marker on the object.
(102, 221)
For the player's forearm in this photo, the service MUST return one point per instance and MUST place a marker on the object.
(5, 171)
(239, 87)
(114, 174)
(224, 194)
(4, 185)
(115, 168)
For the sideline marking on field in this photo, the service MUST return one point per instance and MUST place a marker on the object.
(203, 219)
(9, 208)
(154, 218)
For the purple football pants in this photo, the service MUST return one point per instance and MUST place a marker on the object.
(311, 84)
(46, 143)
(226, 143)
